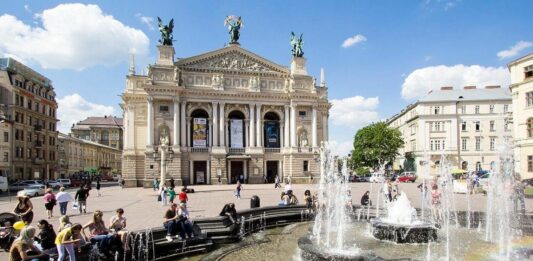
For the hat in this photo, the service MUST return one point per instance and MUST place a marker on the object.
(22, 194)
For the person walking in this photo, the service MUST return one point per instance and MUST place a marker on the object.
(276, 182)
(238, 189)
(24, 207)
(163, 194)
(49, 202)
(63, 198)
(171, 194)
(172, 182)
(98, 188)
(182, 197)
(81, 198)
(155, 184)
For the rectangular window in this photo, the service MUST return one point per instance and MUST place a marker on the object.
(529, 99)
(29, 104)
(492, 126)
(436, 110)
(302, 113)
(413, 145)
(478, 126)
(6, 136)
(506, 126)
(463, 144)
(163, 108)
(477, 109)
(505, 108)
(528, 71)
(463, 126)
(492, 141)
(529, 163)
(491, 108)
(478, 143)
(306, 165)
(6, 156)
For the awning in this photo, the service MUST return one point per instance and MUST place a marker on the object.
(238, 157)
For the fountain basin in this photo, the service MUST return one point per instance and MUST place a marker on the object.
(312, 252)
(402, 234)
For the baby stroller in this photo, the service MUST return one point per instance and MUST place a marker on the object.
(7, 232)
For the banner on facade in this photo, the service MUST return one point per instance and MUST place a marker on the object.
(236, 134)
(199, 133)
(272, 134)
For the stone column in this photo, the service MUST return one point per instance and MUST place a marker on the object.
(252, 121)
(281, 140)
(210, 137)
(314, 128)
(245, 170)
(293, 125)
(287, 125)
(126, 128)
(324, 128)
(163, 168)
(259, 120)
(215, 124)
(150, 122)
(208, 179)
(183, 124)
(246, 133)
(188, 138)
(222, 125)
(191, 172)
(175, 137)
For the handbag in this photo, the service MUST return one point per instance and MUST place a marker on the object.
(158, 197)
(75, 206)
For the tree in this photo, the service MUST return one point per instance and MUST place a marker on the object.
(376, 144)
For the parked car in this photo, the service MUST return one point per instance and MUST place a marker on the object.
(527, 182)
(65, 182)
(408, 176)
(34, 190)
(19, 185)
(34, 182)
(377, 177)
(54, 184)
(3, 184)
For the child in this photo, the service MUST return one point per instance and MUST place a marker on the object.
(171, 194)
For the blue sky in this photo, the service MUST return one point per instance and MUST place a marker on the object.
(400, 49)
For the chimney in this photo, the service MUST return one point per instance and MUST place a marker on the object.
(493, 87)
(446, 88)
(469, 87)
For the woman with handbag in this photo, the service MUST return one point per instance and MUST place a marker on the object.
(49, 202)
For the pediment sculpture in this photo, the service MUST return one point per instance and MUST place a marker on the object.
(232, 61)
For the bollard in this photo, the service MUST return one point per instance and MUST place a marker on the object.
(255, 202)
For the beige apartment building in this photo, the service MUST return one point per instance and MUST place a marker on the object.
(522, 92)
(29, 101)
(78, 155)
(6, 141)
(223, 115)
(467, 126)
(107, 130)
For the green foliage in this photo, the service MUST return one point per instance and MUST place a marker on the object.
(376, 144)
(362, 171)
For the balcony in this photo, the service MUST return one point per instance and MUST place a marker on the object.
(236, 150)
(272, 150)
(305, 149)
(199, 150)
(38, 160)
(38, 127)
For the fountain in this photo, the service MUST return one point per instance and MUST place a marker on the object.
(402, 224)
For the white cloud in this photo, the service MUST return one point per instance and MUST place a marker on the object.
(341, 148)
(353, 40)
(147, 20)
(74, 108)
(514, 50)
(352, 112)
(72, 36)
(419, 82)
(27, 8)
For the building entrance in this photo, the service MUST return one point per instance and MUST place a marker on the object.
(237, 171)
(199, 172)
(272, 170)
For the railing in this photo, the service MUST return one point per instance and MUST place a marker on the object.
(236, 150)
(305, 149)
(199, 149)
(272, 150)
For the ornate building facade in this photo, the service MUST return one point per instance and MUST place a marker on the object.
(221, 116)
(105, 130)
(28, 99)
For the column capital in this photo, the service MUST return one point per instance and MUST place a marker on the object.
(287, 106)
(150, 99)
(176, 99)
(214, 103)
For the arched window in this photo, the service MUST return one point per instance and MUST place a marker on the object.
(530, 128)
(236, 129)
(271, 131)
(199, 128)
(478, 166)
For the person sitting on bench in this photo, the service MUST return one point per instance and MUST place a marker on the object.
(229, 211)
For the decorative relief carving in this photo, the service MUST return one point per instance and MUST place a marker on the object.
(218, 82)
(232, 61)
(254, 83)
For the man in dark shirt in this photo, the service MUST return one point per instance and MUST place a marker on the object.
(171, 221)
(81, 198)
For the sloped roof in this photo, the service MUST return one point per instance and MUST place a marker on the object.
(468, 95)
(104, 121)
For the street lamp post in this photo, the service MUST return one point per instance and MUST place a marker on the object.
(458, 132)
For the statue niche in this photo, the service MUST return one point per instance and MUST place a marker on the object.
(164, 138)
(302, 138)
